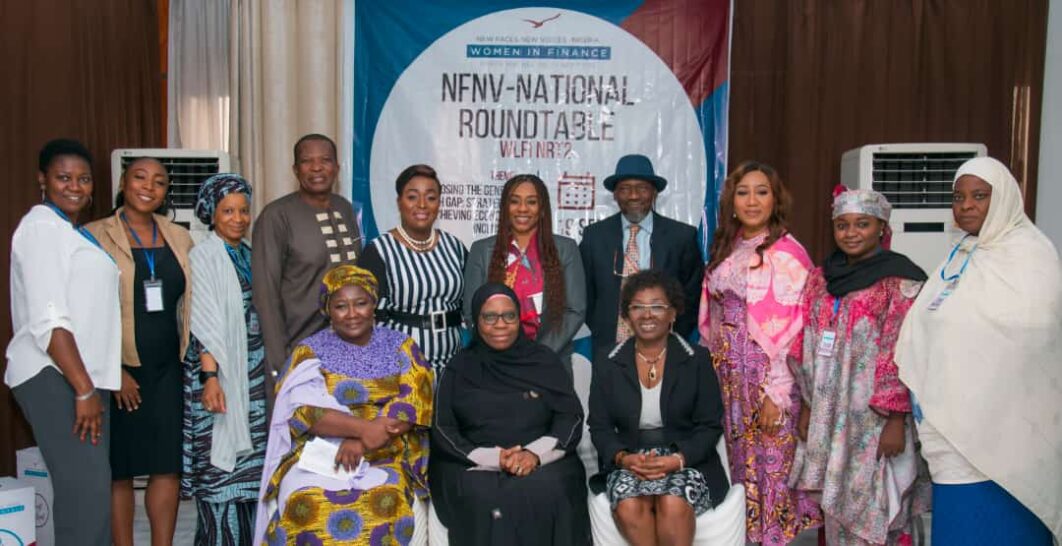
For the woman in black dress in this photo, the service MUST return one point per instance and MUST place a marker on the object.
(503, 466)
(152, 254)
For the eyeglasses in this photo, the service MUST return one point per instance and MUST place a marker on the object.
(510, 317)
(619, 260)
(654, 309)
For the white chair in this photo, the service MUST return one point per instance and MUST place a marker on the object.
(421, 528)
(722, 526)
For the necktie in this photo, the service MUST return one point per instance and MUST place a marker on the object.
(630, 266)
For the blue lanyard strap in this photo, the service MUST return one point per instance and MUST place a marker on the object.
(951, 257)
(149, 253)
(80, 229)
(240, 260)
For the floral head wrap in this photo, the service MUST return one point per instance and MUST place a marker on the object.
(860, 201)
(214, 189)
(347, 275)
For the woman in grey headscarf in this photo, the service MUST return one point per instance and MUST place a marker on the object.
(224, 388)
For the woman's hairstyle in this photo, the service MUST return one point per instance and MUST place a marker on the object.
(413, 171)
(652, 278)
(60, 147)
(547, 249)
(119, 197)
(730, 225)
(313, 136)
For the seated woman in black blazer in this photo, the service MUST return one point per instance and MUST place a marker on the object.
(655, 418)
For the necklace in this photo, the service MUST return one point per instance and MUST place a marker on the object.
(417, 244)
(652, 361)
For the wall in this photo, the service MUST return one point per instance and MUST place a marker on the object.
(1049, 193)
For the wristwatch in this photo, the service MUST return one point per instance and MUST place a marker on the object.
(204, 375)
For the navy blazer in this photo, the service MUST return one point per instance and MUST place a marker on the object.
(674, 250)
(690, 403)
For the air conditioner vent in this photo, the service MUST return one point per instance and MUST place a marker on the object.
(917, 180)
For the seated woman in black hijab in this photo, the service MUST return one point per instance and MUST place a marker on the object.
(503, 467)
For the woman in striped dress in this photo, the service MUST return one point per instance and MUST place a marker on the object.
(224, 379)
(420, 270)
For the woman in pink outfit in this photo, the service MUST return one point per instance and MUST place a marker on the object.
(749, 315)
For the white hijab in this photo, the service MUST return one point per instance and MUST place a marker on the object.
(986, 367)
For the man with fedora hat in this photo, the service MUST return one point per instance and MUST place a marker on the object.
(636, 239)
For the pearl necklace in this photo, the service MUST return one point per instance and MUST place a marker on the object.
(416, 244)
(652, 362)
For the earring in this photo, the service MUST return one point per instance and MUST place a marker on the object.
(733, 215)
(43, 198)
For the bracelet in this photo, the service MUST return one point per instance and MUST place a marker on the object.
(618, 459)
(681, 458)
(204, 375)
(86, 396)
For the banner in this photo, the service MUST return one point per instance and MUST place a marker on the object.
(484, 90)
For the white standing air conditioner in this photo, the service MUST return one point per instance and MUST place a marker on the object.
(916, 179)
(187, 168)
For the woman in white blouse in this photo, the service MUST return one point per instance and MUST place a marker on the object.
(67, 342)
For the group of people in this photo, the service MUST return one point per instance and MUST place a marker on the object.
(315, 390)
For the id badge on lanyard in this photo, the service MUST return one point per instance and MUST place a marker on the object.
(951, 280)
(153, 295)
(828, 341)
(152, 286)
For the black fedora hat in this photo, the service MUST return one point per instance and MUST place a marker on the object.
(638, 167)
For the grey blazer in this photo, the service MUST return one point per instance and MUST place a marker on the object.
(559, 339)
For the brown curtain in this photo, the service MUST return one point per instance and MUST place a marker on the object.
(811, 79)
(84, 70)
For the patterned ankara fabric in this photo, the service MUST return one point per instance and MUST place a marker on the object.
(865, 500)
(347, 275)
(214, 189)
(224, 497)
(775, 514)
(862, 201)
(687, 483)
(389, 377)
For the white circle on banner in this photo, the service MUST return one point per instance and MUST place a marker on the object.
(547, 91)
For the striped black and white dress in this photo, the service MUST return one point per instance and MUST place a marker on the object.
(420, 283)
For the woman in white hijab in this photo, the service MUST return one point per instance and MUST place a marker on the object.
(981, 351)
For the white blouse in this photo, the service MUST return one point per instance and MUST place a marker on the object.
(650, 417)
(59, 279)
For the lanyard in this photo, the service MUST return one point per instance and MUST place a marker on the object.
(149, 253)
(836, 307)
(951, 257)
(243, 267)
(80, 229)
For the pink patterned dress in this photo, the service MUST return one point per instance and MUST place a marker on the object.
(866, 500)
(749, 315)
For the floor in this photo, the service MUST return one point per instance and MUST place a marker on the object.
(186, 527)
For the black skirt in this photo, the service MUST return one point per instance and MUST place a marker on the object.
(147, 441)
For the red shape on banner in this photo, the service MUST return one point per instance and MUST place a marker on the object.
(575, 192)
(688, 35)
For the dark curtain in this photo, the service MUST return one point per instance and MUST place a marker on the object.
(811, 79)
(84, 70)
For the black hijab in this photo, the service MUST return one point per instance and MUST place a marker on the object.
(842, 277)
(523, 366)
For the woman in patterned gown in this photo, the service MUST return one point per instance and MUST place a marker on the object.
(749, 315)
(859, 453)
(364, 392)
(224, 383)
